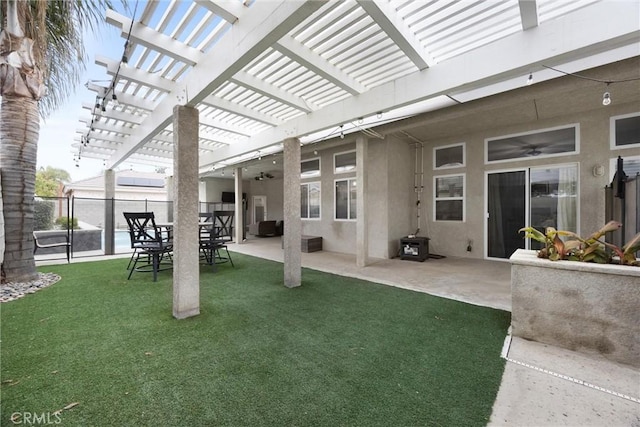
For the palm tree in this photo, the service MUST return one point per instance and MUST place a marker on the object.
(41, 51)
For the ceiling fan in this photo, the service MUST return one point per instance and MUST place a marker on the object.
(534, 151)
(262, 176)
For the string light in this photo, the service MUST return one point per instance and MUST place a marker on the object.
(530, 79)
(606, 96)
(100, 105)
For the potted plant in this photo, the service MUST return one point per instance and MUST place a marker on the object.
(589, 306)
(591, 249)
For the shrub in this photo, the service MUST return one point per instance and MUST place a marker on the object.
(43, 214)
(65, 222)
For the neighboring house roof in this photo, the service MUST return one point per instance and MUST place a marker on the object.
(126, 181)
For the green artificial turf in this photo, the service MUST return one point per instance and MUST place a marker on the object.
(334, 352)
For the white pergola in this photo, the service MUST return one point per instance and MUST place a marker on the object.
(221, 83)
(265, 70)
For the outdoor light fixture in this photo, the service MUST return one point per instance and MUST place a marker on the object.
(341, 132)
(530, 79)
(606, 98)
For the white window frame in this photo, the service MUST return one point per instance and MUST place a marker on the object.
(464, 156)
(315, 175)
(343, 172)
(612, 132)
(541, 156)
(462, 197)
(349, 201)
(308, 205)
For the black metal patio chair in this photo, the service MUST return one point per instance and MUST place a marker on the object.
(150, 242)
(214, 237)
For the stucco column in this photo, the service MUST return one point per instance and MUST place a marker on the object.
(292, 222)
(109, 211)
(239, 216)
(362, 223)
(186, 268)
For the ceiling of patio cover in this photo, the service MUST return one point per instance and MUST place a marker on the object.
(265, 70)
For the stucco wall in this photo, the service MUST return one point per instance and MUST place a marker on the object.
(402, 213)
(450, 238)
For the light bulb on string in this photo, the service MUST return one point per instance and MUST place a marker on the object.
(530, 79)
(606, 98)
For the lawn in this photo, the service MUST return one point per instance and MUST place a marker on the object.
(334, 352)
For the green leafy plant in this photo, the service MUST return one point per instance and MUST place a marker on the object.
(66, 222)
(590, 249)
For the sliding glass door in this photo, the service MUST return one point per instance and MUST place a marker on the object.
(506, 213)
(542, 197)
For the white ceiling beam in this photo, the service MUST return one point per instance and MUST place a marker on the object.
(123, 98)
(113, 114)
(105, 137)
(152, 39)
(224, 126)
(245, 79)
(314, 62)
(246, 39)
(227, 10)
(611, 24)
(202, 139)
(239, 110)
(97, 125)
(528, 13)
(135, 74)
(398, 31)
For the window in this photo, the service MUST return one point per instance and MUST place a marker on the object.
(538, 144)
(346, 196)
(625, 131)
(553, 197)
(310, 168)
(310, 200)
(449, 156)
(344, 162)
(448, 197)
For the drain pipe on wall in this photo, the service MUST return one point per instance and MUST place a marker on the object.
(418, 178)
(418, 183)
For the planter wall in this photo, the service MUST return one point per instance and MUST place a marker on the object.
(590, 308)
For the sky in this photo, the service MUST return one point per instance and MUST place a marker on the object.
(57, 132)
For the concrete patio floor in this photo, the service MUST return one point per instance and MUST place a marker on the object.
(542, 385)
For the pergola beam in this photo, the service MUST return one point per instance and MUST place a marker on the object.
(307, 58)
(152, 39)
(268, 22)
(399, 32)
(611, 25)
(227, 10)
(245, 79)
(528, 13)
